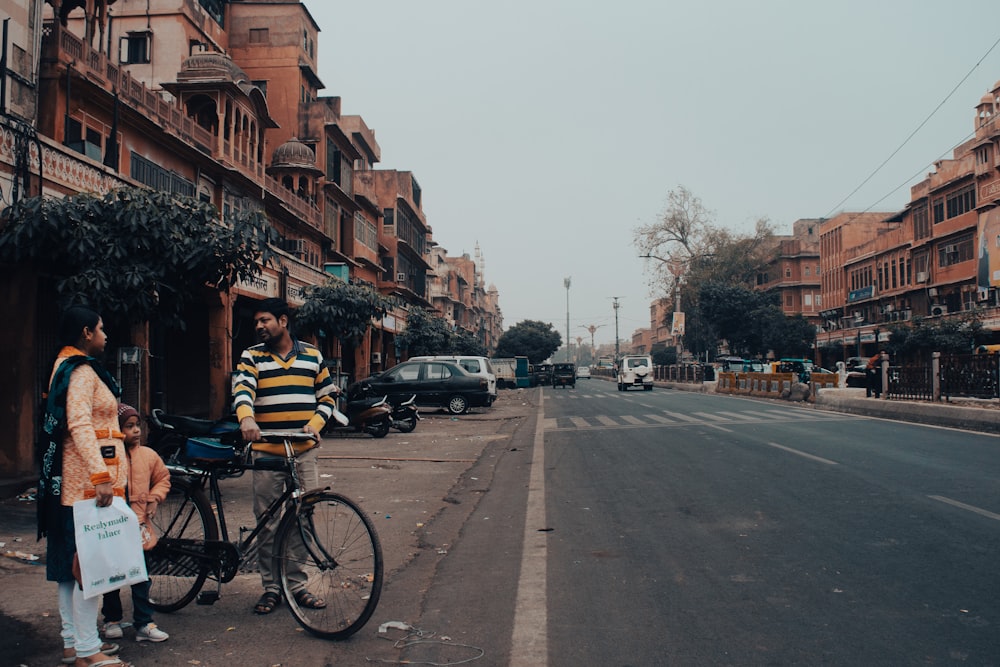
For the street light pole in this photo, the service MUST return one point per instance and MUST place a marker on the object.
(593, 350)
(617, 350)
(566, 282)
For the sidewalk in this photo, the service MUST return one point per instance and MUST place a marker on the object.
(415, 486)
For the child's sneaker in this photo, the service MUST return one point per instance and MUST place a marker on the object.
(150, 633)
(112, 630)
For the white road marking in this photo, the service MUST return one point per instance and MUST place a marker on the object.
(633, 420)
(529, 638)
(662, 420)
(970, 508)
(715, 418)
(820, 459)
(580, 422)
(681, 417)
(607, 421)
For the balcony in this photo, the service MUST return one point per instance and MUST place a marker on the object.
(307, 211)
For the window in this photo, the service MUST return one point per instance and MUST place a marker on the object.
(259, 36)
(807, 270)
(436, 372)
(938, 206)
(955, 251)
(86, 136)
(807, 299)
(961, 201)
(921, 226)
(149, 173)
(134, 48)
(365, 232)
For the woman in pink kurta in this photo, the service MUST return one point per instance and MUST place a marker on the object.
(91, 452)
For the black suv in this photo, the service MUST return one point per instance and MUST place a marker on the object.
(564, 375)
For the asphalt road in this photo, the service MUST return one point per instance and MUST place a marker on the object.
(696, 529)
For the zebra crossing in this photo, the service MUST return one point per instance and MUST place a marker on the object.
(667, 418)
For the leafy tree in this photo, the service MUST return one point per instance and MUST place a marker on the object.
(426, 334)
(530, 338)
(465, 344)
(695, 253)
(134, 254)
(926, 335)
(341, 310)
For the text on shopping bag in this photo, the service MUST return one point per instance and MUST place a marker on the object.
(108, 545)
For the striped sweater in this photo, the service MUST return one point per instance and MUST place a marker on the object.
(284, 394)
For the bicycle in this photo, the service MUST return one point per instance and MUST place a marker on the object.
(322, 535)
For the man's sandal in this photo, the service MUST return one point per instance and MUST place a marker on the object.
(306, 599)
(267, 603)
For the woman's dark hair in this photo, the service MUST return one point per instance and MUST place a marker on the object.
(72, 322)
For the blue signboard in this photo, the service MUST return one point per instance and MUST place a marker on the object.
(861, 294)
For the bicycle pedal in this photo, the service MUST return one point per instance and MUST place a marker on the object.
(208, 597)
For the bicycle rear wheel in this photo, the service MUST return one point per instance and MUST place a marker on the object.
(176, 565)
(330, 550)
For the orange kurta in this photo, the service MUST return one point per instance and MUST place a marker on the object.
(91, 423)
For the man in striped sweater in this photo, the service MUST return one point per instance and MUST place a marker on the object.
(281, 384)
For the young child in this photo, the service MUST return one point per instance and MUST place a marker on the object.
(148, 484)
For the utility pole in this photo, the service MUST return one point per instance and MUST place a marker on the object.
(617, 349)
(566, 282)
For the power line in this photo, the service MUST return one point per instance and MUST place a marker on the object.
(911, 135)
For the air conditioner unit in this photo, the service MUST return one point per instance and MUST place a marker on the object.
(857, 314)
(376, 357)
(894, 315)
(400, 277)
(887, 308)
(951, 248)
(921, 276)
(932, 291)
(904, 314)
(983, 295)
(939, 310)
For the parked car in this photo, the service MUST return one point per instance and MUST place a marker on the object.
(480, 366)
(435, 383)
(583, 372)
(564, 375)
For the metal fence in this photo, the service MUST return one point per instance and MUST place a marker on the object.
(970, 375)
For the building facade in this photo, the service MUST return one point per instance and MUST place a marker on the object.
(215, 100)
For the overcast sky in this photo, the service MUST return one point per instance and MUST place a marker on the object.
(546, 131)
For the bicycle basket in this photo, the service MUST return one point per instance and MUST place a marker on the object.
(208, 449)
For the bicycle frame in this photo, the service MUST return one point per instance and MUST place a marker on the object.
(216, 550)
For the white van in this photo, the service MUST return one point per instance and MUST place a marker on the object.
(480, 366)
(635, 371)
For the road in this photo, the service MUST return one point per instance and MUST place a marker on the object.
(695, 529)
(592, 527)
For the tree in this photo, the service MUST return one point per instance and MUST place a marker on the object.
(530, 338)
(426, 334)
(926, 335)
(135, 255)
(695, 253)
(465, 344)
(341, 310)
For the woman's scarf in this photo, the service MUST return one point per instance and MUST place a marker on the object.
(48, 444)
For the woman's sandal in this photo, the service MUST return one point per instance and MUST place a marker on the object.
(267, 603)
(306, 599)
(107, 648)
(113, 662)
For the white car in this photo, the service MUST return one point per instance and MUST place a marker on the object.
(635, 371)
(583, 372)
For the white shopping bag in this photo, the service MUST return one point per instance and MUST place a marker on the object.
(108, 545)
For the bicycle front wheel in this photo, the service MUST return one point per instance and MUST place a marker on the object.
(177, 565)
(329, 562)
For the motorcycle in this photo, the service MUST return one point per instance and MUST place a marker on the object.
(405, 415)
(370, 415)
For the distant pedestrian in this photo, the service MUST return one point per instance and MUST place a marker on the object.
(873, 375)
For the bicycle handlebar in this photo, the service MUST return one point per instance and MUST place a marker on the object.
(279, 436)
